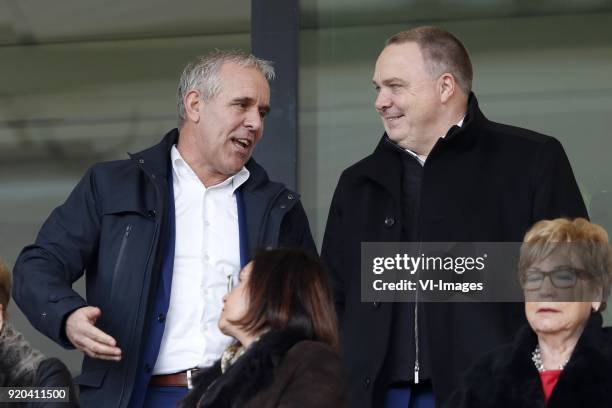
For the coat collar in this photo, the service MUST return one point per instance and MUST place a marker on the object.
(250, 374)
(384, 165)
(589, 365)
(257, 192)
(590, 341)
(155, 159)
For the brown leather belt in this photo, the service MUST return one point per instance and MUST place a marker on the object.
(182, 379)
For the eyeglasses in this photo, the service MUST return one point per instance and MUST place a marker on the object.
(564, 277)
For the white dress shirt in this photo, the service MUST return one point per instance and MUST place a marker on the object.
(421, 157)
(207, 251)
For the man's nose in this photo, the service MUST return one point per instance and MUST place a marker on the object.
(382, 101)
(253, 120)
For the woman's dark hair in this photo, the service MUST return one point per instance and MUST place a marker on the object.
(289, 289)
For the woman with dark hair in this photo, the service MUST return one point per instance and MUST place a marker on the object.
(282, 316)
(563, 357)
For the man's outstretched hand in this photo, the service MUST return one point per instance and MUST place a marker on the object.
(85, 336)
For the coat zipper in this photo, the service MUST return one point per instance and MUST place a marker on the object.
(416, 329)
(126, 234)
(158, 222)
(416, 299)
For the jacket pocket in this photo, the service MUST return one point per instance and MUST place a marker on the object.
(90, 387)
(91, 378)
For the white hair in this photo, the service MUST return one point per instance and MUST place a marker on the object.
(202, 74)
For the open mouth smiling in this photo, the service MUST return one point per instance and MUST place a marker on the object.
(393, 118)
(242, 143)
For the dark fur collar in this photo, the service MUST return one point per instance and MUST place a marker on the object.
(251, 373)
(508, 377)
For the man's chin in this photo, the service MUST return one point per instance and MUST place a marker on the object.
(235, 168)
(394, 137)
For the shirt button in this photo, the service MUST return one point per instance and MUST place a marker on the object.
(206, 223)
(376, 305)
(161, 318)
(389, 221)
(366, 383)
(206, 257)
(152, 213)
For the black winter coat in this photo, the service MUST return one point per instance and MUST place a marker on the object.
(483, 182)
(282, 369)
(507, 377)
(111, 225)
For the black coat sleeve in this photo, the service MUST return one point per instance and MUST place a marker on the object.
(555, 191)
(45, 271)
(332, 250)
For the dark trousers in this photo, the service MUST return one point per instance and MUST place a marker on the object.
(410, 396)
(163, 397)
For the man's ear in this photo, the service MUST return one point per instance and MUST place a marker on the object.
(446, 87)
(193, 103)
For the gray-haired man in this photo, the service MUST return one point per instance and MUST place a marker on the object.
(160, 234)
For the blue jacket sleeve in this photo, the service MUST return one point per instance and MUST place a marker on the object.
(45, 271)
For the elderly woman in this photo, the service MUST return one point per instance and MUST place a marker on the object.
(282, 315)
(564, 357)
(20, 364)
